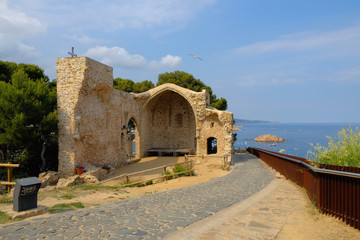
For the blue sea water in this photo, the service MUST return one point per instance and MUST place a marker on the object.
(298, 136)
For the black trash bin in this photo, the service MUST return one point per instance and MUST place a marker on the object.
(25, 194)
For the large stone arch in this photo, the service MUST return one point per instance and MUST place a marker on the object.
(173, 88)
(168, 121)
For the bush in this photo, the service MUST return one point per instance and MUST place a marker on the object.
(344, 152)
(180, 168)
(150, 182)
(168, 175)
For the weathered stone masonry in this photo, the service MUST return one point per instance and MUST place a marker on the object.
(93, 117)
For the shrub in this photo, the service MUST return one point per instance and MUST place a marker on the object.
(168, 175)
(177, 169)
(150, 182)
(181, 168)
(344, 152)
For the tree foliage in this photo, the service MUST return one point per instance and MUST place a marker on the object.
(28, 118)
(188, 81)
(125, 85)
(179, 78)
(128, 85)
(7, 69)
(143, 86)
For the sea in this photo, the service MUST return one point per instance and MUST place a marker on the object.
(298, 136)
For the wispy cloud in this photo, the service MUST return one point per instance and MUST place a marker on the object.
(82, 38)
(265, 79)
(350, 75)
(113, 15)
(344, 38)
(117, 56)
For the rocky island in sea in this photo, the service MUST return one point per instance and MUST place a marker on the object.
(269, 138)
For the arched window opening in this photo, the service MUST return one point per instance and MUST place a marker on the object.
(130, 139)
(211, 145)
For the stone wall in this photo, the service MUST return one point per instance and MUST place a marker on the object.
(93, 118)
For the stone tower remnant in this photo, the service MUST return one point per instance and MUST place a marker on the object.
(95, 119)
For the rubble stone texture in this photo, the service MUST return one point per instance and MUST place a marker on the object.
(93, 118)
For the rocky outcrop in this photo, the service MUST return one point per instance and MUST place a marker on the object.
(49, 178)
(269, 138)
(71, 181)
(92, 175)
(94, 171)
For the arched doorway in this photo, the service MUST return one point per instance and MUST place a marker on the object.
(168, 122)
(131, 140)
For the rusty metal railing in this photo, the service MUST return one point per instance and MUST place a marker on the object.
(334, 189)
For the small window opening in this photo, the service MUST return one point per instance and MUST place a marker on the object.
(211, 145)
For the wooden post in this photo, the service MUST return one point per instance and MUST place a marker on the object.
(127, 179)
(9, 178)
(191, 168)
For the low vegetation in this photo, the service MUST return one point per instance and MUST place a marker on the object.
(62, 207)
(75, 191)
(4, 217)
(343, 151)
(180, 169)
(6, 199)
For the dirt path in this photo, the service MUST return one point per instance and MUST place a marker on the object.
(111, 191)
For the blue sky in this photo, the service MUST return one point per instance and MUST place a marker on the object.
(279, 60)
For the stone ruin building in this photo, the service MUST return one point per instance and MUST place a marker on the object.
(99, 124)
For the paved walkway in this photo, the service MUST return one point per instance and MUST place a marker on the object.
(152, 216)
(261, 216)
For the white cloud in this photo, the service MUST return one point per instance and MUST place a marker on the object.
(117, 56)
(343, 39)
(167, 61)
(15, 27)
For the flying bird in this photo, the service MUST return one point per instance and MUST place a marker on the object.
(195, 57)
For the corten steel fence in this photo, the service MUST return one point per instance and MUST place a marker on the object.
(334, 189)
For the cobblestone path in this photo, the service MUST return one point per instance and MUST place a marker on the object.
(151, 216)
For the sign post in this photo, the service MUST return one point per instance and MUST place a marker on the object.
(25, 194)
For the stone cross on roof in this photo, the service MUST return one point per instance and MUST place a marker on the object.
(72, 54)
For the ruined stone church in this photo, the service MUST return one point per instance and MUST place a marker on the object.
(102, 125)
